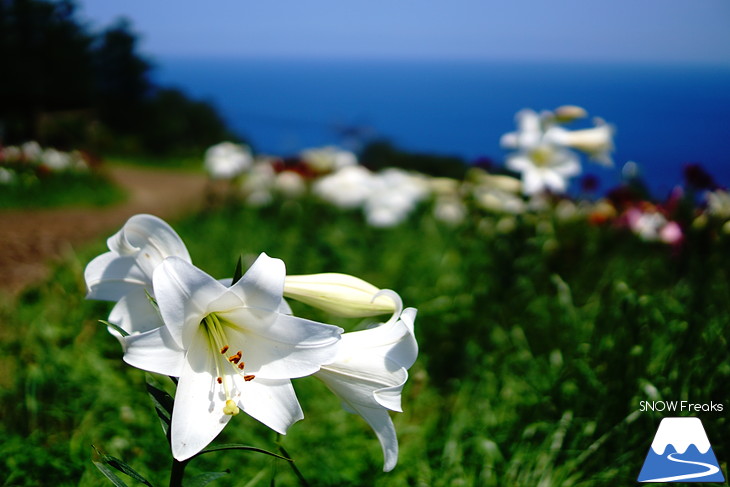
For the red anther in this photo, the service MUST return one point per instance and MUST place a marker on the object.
(220, 380)
(242, 365)
(248, 377)
(224, 349)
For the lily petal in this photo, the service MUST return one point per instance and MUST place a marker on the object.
(155, 351)
(379, 420)
(142, 243)
(183, 292)
(272, 402)
(109, 277)
(287, 347)
(151, 239)
(197, 416)
(134, 313)
(262, 286)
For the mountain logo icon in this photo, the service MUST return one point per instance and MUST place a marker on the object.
(681, 452)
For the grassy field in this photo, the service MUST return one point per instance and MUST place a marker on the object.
(63, 189)
(539, 338)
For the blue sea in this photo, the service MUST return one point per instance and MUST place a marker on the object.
(665, 116)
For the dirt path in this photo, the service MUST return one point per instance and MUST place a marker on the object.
(29, 239)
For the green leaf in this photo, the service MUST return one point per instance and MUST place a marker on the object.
(116, 328)
(238, 273)
(104, 461)
(163, 405)
(108, 473)
(236, 446)
(204, 479)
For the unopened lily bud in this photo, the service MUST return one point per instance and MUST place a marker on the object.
(568, 113)
(597, 142)
(338, 294)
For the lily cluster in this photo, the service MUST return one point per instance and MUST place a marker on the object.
(234, 344)
(30, 160)
(545, 151)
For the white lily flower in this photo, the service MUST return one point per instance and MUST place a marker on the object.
(546, 167)
(499, 201)
(346, 188)
(718, 203)
(369, 373)
(227, 160)
(259, 183)
(395, 194)
(339, 294)
(55, 160)
(529, 131)
(31, 150)
(7, 176)
(11, 153)
(328, 158)
(124, 274)
(290, 184)
(597, 142)
(231, 347)
(450, 210)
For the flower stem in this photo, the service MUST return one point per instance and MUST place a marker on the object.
(177, 472)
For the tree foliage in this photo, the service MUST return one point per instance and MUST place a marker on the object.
(67, 86)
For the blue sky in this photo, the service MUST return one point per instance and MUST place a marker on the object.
(576, 30)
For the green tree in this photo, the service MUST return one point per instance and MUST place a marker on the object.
(47, 64)
(121, 78)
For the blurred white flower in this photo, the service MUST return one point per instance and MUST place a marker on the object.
(508, 184)
(529, 131)
(596, 142)
(259, 183)
(56, 160)
(497, 193)
(227, 160)
(290, 184)
(545, 167)
(395, 194)
(327, 159)
(569, 113)
(652, 226)
(566, 210)
(370, 371)
(6, 176)
(450, 210)
(718, 203)
(346, 188)
(31, 150)
(11, 153)
(498, 201)
(444, 186)
(232, 349)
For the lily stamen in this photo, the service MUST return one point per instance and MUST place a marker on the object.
(214, 328)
